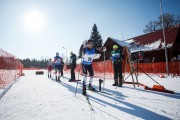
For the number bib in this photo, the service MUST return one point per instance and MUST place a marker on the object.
(88, 58)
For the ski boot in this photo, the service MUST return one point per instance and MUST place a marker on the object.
(48, 75)
(71, 80)
(56, 78)
(84, 89)
(115, 84)
(120, 83)
(91, 88)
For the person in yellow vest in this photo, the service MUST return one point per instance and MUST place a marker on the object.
(117, 57)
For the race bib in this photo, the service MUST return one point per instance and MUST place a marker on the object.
(88, 58)
(58, 61)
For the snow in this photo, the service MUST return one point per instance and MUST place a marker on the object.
(122, 43)
(134, 47)
(168, 45)
(154, 45)
(35, 97)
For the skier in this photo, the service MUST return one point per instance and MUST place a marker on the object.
(49, 67)
(117, 57)
(57, 65)
(73, 66)
(88, 55)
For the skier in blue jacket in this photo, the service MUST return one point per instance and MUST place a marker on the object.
(57, 65)
(89, 53)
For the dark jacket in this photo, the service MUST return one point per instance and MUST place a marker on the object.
(118, 58)
(73, 61)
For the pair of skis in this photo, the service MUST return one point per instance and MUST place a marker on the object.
(88, 101)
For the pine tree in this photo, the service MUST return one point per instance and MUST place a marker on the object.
(96, 37)
(34, 63)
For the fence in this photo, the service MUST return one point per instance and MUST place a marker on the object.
(10, 68)
(157, 68)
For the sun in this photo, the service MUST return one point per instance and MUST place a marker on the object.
(34, 20)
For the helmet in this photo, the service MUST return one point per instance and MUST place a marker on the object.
(115, 47)
(57, 53)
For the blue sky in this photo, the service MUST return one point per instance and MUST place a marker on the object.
(67, 23)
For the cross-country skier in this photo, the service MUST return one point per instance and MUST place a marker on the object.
(49, 67)
(88, 55)
(57, 65)
(117, 57)
(73, 66)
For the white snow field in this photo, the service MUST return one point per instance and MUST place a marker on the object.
(35, 97)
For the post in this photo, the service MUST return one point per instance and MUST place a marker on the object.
(164, 37)
(104, 64)
(100, 82)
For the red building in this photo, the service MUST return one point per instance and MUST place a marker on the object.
(152, 44)
(155, 42)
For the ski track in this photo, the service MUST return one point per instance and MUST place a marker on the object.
(36, 97)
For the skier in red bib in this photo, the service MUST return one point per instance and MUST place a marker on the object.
(49, 67)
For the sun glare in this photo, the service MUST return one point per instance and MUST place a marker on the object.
(34, 20)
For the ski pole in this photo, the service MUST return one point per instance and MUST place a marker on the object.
(104, 69)
(83, 45)
(78, 77)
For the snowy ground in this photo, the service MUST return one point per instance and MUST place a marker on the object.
(35, 97)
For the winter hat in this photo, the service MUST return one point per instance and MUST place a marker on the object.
(115, 46)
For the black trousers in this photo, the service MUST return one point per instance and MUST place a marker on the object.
(73, 77)
(61, 69)
(117, 71)
(88, 68)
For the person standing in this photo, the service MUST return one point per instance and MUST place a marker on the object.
(49, 67)
(61, 68)
(57, 65)
(117, 57)
(88, 55)
(73, 66)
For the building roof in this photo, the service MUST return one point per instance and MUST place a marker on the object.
(148, 42)
(155, 39)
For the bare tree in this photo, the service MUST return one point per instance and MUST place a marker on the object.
(169, 21)
(151, 27)
(177, 21)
